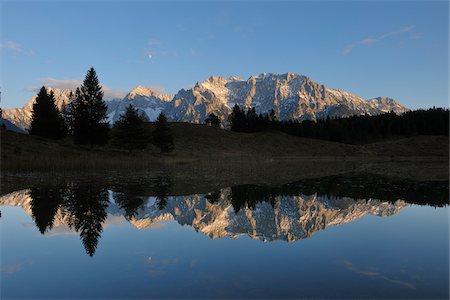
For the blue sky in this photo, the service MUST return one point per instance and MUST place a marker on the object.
(371, 48)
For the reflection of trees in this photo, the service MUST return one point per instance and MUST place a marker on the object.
(213, 197)
(162, 189)
(83, 205)
(129, 197)
(86, 206)
(371, 186)
(250, 195)
(355, 186)
(45, 202)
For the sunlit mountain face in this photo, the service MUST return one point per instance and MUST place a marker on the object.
(290, 95)
(289, 212)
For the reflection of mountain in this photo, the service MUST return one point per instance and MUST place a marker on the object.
(290, 218)
(23, 199)
(287, 218)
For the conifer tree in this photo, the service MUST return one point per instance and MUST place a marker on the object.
(46, 120)
(90, 126)
(67, 112)
(213, 120)
(129, 131)
(251, 120)
(237, 119)
(162, 136)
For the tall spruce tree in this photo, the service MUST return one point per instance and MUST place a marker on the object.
(237, 119)
(129, 131)
(46, 120)
(90, 126)
(162, 135)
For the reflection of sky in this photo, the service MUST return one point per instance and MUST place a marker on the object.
(376, 275)
(371, 257)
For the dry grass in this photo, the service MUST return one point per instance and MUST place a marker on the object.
(211, 153)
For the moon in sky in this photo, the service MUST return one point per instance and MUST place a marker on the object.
(150, 56)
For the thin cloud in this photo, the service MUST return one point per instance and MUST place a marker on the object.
(154, 42)
(170, 53)
(112, 93)
(157, 47)
(376, 275)
(10, 45)
(61, 83)
(15, 48)
(12, 269)
(69, 84)
(371, 41)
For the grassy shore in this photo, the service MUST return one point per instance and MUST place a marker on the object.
(216, 153)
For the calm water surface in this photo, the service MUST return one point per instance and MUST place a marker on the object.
(300, 240)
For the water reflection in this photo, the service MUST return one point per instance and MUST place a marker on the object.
(44, 203)
(82, 207)
(85, 207)
(289, 212)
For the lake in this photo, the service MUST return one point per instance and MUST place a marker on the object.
(352, 236)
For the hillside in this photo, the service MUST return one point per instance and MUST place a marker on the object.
(199, 148)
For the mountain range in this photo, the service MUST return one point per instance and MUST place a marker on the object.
(291, 218)
(291, 96)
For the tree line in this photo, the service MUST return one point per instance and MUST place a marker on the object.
(357, 129)
(84, 118)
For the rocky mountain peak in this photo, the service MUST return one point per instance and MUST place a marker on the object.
(145, 91)
(290, 95)
(386, 104)
(62, 97)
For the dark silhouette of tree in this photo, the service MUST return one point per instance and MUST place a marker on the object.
(90, 126)
(162, 135)
(162, 191)
(45, 202)
(46, 120)
(249, 195)
(212, 120)
(86, 204)
(237, 119)
(358, 129)
(77, 115)
(129, 197)
(213, 197)
(67, 112)
(251, 120)
(129, 131)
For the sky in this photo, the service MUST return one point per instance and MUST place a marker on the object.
(396, 49)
